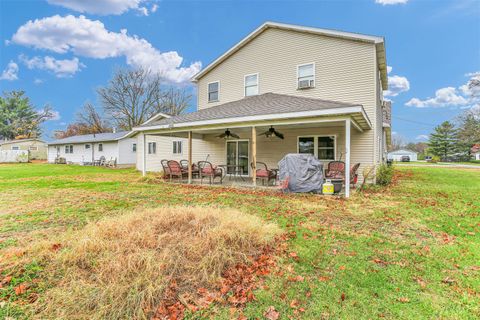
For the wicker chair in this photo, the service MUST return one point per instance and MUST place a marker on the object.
(264, 173)
(184, 165)
(175, 170)
(206, 169)
(164, 164)
(335, 170)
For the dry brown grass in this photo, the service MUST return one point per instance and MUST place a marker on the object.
(119, 268)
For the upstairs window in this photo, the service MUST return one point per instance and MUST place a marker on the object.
(69, 148)
(152, 147)
(15, 148)
(306, 76)
(33, 148)
(87, 146)
(213, 89)
(177, 147)
(100, 147)
(251, 84)
(134, 147)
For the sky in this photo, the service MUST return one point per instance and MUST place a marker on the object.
(60, 51)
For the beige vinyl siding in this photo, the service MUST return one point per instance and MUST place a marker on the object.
(345, 71)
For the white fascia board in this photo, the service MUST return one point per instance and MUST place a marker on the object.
(226, 121)
(155, 117)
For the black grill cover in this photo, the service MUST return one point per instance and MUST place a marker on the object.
(304, 172)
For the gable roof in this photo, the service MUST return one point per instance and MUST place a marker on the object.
(21, 140)
(378, 41)
(267, 106)
(98, 137)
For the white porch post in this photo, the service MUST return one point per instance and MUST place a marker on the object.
(254, 156)
(189, 157)
(144, 155)
(347, 157)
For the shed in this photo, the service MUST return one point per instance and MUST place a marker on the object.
(398, 154)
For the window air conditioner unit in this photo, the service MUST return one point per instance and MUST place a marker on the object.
(304, 84)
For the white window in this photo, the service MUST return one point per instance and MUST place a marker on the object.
(15, 148)
(33, 148)
(69, 148)
(213, 90)
(322, 147)
(134, 147)
(177, 147)
(251, 85)
(152, 147)
(87, 146)
(100, 147)
(306, 76)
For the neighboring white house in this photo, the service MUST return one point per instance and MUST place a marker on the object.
(87, 148)
(398, 154)
(37, 149)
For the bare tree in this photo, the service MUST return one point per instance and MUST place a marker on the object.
(88, 121)
(397, 142)
(134, 96)
(93, 120)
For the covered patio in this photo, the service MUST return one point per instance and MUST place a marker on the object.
(235, 136)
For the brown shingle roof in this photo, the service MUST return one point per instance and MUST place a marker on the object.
(264, 104)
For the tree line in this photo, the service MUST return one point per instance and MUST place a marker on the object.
(449, 141)
(129, 99)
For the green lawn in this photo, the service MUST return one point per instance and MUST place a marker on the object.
(411, 251)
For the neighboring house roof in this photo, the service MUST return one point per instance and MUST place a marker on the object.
(21, 140)
(98, 137)
(401, 151)
(378, 41)
(475, 148)
(267, 106)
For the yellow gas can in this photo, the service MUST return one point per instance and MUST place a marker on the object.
(327, 187)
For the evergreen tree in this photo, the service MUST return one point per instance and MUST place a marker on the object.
(18, 117)
(443, 141)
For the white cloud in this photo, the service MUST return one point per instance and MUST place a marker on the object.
(11, 72)
(102, 7)
(390, 2)
(396, 84)
(88, 38)
(154, 8)
(422, 137)
(466, 96)
(61, 68)
(38, 81)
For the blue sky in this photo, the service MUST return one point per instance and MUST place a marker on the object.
(71, 47)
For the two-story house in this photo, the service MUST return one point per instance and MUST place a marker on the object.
(321, 90)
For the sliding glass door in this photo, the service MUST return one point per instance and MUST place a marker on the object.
(238, 156)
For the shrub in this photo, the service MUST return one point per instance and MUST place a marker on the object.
(120, 267)
(435, 159)
(384, 174)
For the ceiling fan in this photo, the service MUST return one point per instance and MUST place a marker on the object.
(227, 134)
(272, 132)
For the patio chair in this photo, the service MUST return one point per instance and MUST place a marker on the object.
(184, 165)
(263, 173)
(335, 170)
(354, 174)
(206, 169)
(175, 170)
(100, 162)
(166, 172)
(112, 163)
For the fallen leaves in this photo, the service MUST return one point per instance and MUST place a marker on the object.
(20, 289)
(271, 313)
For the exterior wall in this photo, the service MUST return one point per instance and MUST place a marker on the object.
(270, 151)
(477, 156)
(80, 154)
(125, 151)
(345, 71)
(39, 154)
